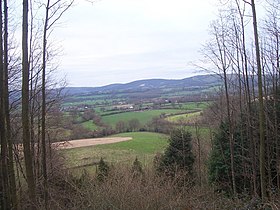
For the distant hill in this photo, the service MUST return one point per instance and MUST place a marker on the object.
(200, 81)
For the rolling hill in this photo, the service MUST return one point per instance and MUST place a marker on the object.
(200, 81)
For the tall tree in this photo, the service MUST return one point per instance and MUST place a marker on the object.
(261, 105)
(25, 108)
(44, 150)
(3, 169)
(221, 55)
(11, 173)
(53, 12)
(248, 98)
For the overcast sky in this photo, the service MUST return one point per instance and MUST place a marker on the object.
(118, 41)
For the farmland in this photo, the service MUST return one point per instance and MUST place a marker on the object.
(143, 116)
(144, 146)
(90, 125)
(185, 118)
(124, 114)
(145, 113)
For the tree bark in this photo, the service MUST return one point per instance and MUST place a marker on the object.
(44, 151)
(25, 108)
(248, 99)
(11, 172)
(261, 105)
(4, 153)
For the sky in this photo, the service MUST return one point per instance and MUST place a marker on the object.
(119, 41)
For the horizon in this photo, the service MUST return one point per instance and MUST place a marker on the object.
(123, 83)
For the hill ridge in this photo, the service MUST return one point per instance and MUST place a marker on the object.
(148, 84)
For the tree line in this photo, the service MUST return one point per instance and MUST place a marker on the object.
(28, 95)
(244, 51)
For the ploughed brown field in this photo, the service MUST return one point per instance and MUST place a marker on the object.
(89, 142)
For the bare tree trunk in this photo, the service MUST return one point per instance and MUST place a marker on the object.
(5, 204)
(249, 114)
(44, 152)
(55, 15)
(224, 66)
(241, 83)
(11, 172)
(276, 122)
(261, 106)
(231, 138)
(25, 108)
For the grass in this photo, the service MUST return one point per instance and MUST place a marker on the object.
(186, 118)
(187, 106)
(195, 105)
(144, 146)
(143, 116)
(90, 125)
(82, 102)
(142, 143)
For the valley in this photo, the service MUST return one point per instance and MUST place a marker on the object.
(140, 115)
(108, 110)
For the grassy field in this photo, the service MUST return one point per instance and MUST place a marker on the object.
(185, 118)
(90, 125)
(83, 102)
(143, 116)
(144, 146)
(195, 105)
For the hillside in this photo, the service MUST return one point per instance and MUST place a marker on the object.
(195, 82)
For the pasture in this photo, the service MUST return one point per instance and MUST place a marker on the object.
(143, 116)
(185, 118)
(144, 146)
(90, 125)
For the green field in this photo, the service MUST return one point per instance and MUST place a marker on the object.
(195, 105)
(144, 146)
(90, 125)
(143, 116)
(82, 102)
(185, 118)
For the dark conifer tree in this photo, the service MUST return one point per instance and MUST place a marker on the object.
(137, 167)
(103, 170)
(178, 156)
